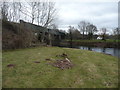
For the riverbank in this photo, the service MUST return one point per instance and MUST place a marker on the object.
(92, 43)
(28, 68)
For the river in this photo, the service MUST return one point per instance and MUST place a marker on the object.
(112, 51)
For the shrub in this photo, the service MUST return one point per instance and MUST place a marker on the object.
(15, 36)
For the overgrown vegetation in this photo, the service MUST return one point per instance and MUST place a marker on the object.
(15, 36)
(31, 70)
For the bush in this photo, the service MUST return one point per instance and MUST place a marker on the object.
(15, 36)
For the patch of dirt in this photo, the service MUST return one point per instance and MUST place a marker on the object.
(10, 65)
(48, 59)
(62, 64)
(65, 63)
(36, 62)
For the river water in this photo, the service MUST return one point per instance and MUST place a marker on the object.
(112, 51)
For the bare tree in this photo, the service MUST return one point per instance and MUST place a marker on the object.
(43, 12)
(10, 11)
(71, 29)
(53, 26)
(32, 10)
(82, 27)
(39, 10)
(91, 30)
(14, 11)
(76, 34)
(104, 30)
(4, 11)
(48, 14)
(116, 33)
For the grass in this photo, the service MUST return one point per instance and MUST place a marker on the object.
(0, 69)
(91, 70)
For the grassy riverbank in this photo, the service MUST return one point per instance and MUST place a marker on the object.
(92, 43)
(91, 69)
(108, 40)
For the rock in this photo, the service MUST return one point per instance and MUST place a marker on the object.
(67, 59)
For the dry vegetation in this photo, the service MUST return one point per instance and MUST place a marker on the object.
(15, 36)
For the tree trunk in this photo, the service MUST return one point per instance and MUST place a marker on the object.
(83, 34)
(71, 39)
(42, 37)
(50, 39)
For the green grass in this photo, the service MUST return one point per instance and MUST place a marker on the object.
(0, 69)
(91, 69)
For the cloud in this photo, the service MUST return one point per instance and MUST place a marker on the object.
(101, 14)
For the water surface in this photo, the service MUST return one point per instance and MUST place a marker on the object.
(112, 51)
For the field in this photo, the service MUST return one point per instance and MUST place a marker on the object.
(90, 70)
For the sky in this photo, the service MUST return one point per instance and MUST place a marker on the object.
(100, 13)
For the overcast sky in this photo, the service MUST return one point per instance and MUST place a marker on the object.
(100, 13)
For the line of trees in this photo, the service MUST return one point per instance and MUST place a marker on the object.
(116, 33)
(40, 13)
(86, 30)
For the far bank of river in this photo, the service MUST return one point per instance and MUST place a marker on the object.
(91, 44)
(110, 48)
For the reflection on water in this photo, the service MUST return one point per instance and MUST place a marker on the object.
(112, 51)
